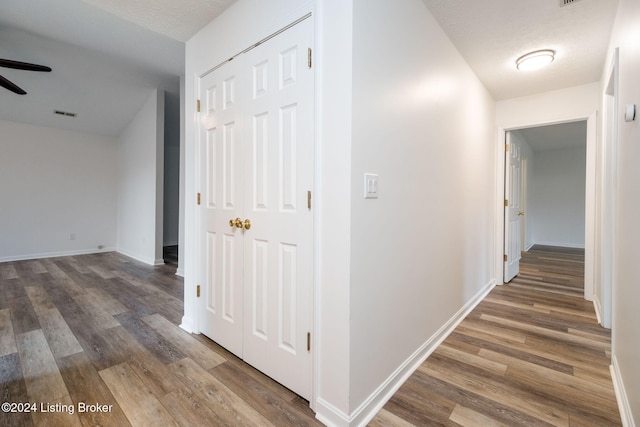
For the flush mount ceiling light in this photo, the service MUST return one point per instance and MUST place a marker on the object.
(535, 60)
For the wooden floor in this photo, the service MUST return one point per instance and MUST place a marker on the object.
(101, 329)
(530, 354)
(553, 269)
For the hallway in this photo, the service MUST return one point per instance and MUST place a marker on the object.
(531, 353)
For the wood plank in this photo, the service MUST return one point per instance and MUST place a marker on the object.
(155, 375)
(8, 271)
(107, 303)
(40, 372)
(472, 359)
(39, 298)
(229, 406)
(92, 307)
(204, 357)
(269, 398)
(139, 405)
(7, 338)
(385, 418)
(23, 318)
(85, 385)
(61, 340)
(13, 390)
(497, 392)
(59, 413)
(155, 343)
(469, 418)
(190, 410)
(558, 386)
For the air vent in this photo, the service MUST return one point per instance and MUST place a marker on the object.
(64, 113)
(567, 2)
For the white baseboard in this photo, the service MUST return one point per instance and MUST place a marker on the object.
(597, 306)
(561, 244)
(55, 254)
(188, 324)
(180, 272)
(331, 416)
(149, 261)
(621, 395)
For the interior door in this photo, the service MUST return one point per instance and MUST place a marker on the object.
(513, 209)
(221, 154)
(257, 142)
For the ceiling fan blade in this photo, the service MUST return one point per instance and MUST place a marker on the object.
(7, 63)
(12, 87)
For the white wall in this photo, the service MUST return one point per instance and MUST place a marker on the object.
(557, 209)
(548, 107)
(626, 292)
(424, 123)
(54, 183)
(171, 217)
(140, 183)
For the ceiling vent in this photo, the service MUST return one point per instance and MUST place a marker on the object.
(567, 2)
(64, 113)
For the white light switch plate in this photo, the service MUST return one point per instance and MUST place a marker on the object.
(370, 186)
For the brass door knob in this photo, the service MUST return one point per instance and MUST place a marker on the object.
(520, 213)
(235, 223)
(247, 224)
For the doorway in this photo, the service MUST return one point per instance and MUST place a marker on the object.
(256, 174)
(583, 131)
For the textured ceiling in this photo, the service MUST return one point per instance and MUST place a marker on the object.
(492, 34)
(104, 66)
(107, 55)
(179, 20)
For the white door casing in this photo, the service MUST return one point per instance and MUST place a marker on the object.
(256, 144)
(512, 209)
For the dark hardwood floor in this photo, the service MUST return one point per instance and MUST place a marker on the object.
(530, 354)
(102, 329)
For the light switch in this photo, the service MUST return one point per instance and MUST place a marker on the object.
(370, 186)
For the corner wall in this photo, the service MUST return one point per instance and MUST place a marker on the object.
(58, 191)
(140, 183)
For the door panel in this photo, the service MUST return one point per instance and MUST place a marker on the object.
(512, 211)
(258, 136)
(221, 135)
(279, 257)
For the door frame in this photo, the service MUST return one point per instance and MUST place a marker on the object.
(590, 195)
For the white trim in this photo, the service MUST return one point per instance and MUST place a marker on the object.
(329, 415)
(561, 244)
(597, 306)
(621, 395)
(362, 415)
(180, 272)
(55, 254)
(189, 325)
(149, 261)
(590, 207)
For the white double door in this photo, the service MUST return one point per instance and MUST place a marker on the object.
(256, 151)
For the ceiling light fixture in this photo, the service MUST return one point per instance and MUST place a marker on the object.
(535, 60)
